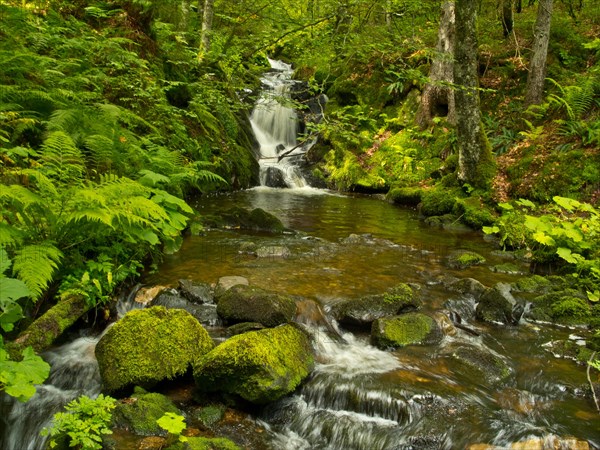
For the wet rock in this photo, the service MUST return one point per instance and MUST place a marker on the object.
(273, 251)
(478, 364)
(196, 292)
(140, 412)
(226, 283)
(364, 310)
(403, 330)
(204, 443)
(152, 443)
(150, 345)
(146, 294)
(567, 307)
(274, 178)
(405, 196)
(464, 259)
(546, 443)
(569, 349)
(497, 305)
(507, 268)
(445, 323)
(251, 304)
(206, 314)
(259, 366)
(534, 283)
(256, 220)
(467, 286)
(244, 327)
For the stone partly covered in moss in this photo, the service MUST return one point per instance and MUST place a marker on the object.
(574, 349)
(202, 443)
(478, 364)
(252, 304)
(534, 283)
(409, 196)
(567, 307)
(196, 292)
(406, 329)
(473, 212)
(467, 286)
(497, 305)
(256, 220)
(437, 202)
(140, 412)
(364, 310)
(244, 327)
(259, 366)
(150, 345)
(462, 259)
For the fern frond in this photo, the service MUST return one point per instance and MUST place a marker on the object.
(44, 185)
(99, 151)
(61, 159)
(152, 179)
(9, 235)
(35, 266)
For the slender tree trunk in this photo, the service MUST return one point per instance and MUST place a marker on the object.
(473, 146)
(437, 99)
(507, 16)
(184, 16)
(537, 68)
(207, 22)
(519, 6)
(342, 28)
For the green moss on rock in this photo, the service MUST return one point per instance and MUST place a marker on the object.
(150, 345)
(463, 259)
(567, 307)
(407, 329)
(259, 366)
(140, 412)
(410, 196)
(437, 202)
(202, 443)
(244, 303)
(479, 365)
(473, 212)
(364, 310)
(255, 220)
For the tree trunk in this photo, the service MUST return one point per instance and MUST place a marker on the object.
(47, 328)
(474, 150)
(207, 21)
(437, 99)
(537, 68)
(507, 16)
(184, 16)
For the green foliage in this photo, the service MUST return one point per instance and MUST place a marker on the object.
(174, 424)
(83, 423)
(18, 378)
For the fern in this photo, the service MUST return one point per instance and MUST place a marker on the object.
(35, 265)
(61, 160)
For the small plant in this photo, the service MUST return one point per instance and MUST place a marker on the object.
(174, 424)
(83, 423)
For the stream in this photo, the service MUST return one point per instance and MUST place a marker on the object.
(358, 397)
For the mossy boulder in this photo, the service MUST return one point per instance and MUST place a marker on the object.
(259, 366)
(410, 196)
(437, 202)
(255, 220)
(364, 310)
(497, 305)
(406, 329)
(140, 412)
(467, 286)
(252, 304)
(203, 443)
(473, 212)
(566, 306)
(464, 259)
(150, 345)
(534, 283)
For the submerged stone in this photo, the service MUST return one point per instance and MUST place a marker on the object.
(259, 366)
(478, 364)
(150, 345)
(364, 310)
(407, 329)
(206, 314)
(252, 304)
(196, 292)
(464, 259)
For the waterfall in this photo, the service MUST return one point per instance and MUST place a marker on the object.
(74, 373)
(275, 125)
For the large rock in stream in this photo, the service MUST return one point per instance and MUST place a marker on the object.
(259, 366)
(243, 303)
(364, 310)
(407, 329)
(150, 345)
(497, 305)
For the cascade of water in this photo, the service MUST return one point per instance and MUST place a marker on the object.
(74, 373)
(275, 125)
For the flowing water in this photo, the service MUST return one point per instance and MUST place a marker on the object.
(358, 397)
(275, 125)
